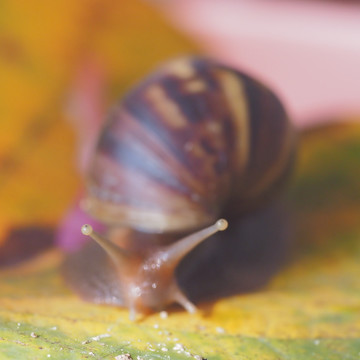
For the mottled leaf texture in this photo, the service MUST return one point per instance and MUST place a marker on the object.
(310, 310)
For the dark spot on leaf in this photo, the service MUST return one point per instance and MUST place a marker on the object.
(23, 243)
(10, 50)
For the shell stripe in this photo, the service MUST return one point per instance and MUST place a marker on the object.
(181, 68)
(194, 106)
(167, 109)
(236, 98)
(279, 166)
(134, 155)
(148, 121)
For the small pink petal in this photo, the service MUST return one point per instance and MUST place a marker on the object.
(68, 235)
(85, 109)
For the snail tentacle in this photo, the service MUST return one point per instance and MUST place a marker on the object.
(116, 253)
(178, 250)
(181, 299)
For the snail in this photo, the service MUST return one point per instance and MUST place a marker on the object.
(192, 143)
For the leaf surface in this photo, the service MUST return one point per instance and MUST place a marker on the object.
(310, 310)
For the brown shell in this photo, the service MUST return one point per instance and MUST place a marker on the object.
(189, 140)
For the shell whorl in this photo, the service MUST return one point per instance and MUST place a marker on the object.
(189, 139)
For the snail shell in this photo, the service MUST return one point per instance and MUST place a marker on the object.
(192, 137)
(194, 141)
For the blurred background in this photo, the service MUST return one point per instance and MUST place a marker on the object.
(62, 64)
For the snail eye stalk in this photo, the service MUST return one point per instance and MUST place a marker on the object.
(177, 251)
(116, 253)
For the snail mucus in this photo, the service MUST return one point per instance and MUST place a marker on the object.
(192, 143)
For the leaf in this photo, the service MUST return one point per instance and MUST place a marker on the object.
(42, 46)
(309, 311)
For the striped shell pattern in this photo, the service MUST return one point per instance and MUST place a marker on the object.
(188, 142)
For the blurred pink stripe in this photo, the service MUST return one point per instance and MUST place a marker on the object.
(309, 52)
(85, 109)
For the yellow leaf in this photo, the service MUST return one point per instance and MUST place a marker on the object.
(309, 311)
(42, 47)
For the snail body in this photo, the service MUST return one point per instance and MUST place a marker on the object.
(194, 141)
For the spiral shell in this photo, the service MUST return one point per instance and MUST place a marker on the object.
(191, 139)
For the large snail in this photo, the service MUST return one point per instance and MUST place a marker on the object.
(194, 142)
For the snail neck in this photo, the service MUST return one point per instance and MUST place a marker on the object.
(139, 241)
